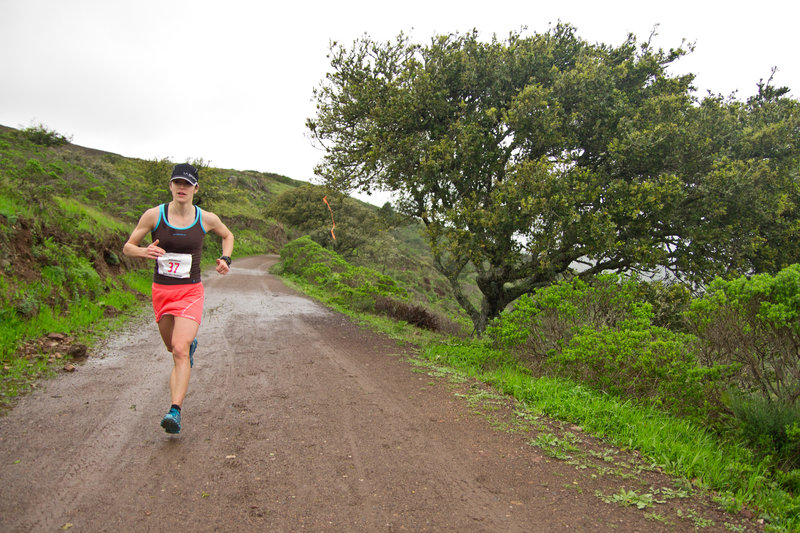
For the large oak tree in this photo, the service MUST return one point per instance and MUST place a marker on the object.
(542, 156)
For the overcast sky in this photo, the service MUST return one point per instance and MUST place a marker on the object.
(231, 81)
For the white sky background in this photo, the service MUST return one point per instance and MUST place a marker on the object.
(231, 81)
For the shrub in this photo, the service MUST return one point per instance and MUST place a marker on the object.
(69, 273)
(308, 260)
(41, 135)
(641, 361)
(413, 314)
(371, 281)
(754, 322)
(305, 258)
(357, 288)
(771, 427)
(669, 302)
(599, 332)
(547, 320)
(97, 193)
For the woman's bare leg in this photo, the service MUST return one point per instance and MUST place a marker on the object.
(178, 334)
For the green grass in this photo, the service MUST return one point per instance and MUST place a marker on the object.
(84, 319)
(244, 209)
(140, 281)
(13, 208)
(86, 219)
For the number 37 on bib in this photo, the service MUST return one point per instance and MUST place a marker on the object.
(175, 265)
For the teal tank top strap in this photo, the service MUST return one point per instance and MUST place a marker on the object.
(161, 215)
(199, 218)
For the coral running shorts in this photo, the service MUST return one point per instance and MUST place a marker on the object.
(178, 300)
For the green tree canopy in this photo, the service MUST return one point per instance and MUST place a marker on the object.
(537, 157)
(357, 226)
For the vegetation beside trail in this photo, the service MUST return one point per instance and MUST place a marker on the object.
(512, 162)
(539, 163)
(626, 361)
(65, 212)
(594, 354)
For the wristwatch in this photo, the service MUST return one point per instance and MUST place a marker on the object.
(226, 259)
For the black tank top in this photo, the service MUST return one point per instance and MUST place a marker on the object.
(184, 247)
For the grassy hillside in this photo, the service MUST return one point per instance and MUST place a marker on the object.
(66, 211)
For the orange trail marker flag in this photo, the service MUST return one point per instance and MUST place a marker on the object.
(325, 199)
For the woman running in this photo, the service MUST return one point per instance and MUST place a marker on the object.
(177, 230)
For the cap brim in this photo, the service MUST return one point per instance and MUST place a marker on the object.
(190, 181)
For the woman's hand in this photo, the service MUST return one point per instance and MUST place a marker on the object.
(222, 267)
(153, 251)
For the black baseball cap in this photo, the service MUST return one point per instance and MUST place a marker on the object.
(184, 171)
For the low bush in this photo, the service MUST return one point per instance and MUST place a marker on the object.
(305, 258)
(669, 302)
(730, 361)
(68, 273)
(770, 428)
(755, 323)
(413, 314)
(44, 136)
(547, 320)
(641, 361)
(600, 333)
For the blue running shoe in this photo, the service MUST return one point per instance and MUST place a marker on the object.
(172, 421)
(192, 348)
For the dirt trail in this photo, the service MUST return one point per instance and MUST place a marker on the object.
(296, 420)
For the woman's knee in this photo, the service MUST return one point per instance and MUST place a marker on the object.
(180, 350)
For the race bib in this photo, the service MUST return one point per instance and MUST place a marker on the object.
(175, 265)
